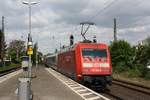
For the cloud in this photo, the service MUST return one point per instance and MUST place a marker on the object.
(54, 20)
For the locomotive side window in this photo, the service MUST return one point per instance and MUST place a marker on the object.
(94, 53)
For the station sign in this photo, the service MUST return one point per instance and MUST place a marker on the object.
(29, 51)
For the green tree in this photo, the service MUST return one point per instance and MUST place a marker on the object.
(143, 52)
(141, 55)
(3, 47)
(16, 49)
(142, 59)
(122, 55)
(35, 53)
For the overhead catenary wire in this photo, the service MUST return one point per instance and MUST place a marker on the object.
(102, 10)
(135, 23)
(109, 5)
(136, 19)
(93, 17)
(106, 7)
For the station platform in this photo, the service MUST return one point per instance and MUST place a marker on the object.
(45, 87)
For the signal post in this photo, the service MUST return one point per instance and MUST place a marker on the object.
(24, 88)
(25, 83)
(30, 52)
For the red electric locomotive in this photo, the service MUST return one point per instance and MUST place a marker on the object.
(87, 63)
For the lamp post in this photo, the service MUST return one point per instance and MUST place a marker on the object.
(29, 35)
(36, 55)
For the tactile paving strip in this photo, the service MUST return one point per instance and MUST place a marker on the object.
(84, 92)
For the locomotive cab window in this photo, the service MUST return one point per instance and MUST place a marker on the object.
(102, 53)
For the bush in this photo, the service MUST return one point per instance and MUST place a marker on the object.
(121, 54)
(135, 72)
(7, 63)
(131, 60)
(142, 71)
(120, 68)
(147, 75)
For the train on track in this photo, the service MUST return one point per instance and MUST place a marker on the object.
(86, 62)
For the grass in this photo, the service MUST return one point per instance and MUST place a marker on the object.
(136, 80)
(138, 75)
(11, 66)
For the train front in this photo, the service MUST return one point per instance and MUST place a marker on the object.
(96, 65)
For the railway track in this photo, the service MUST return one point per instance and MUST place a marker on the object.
(8, 71)
(121, 90)
(136, 87)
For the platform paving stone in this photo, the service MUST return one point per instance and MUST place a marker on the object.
(47, 87)
(44, 86)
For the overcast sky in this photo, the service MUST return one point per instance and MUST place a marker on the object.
(54, 20)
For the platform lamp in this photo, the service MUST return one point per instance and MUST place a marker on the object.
(29, 51)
